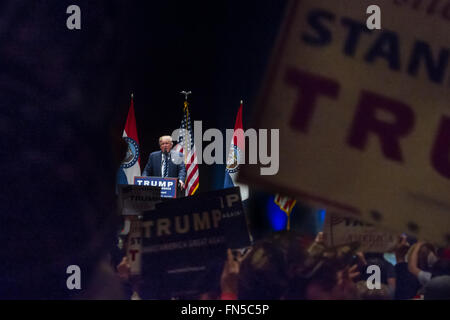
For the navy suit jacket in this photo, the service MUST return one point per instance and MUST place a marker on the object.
(153, 166)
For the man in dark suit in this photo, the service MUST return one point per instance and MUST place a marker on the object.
(166, 163)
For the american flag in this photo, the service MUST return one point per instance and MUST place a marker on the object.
(286, 204)
(186, 146)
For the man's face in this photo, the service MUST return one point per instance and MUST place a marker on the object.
(165, 144)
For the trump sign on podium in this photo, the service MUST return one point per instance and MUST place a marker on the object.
(168, 185)
(363, 114)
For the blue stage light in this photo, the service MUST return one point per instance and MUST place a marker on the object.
(320, 219)
(277, 217)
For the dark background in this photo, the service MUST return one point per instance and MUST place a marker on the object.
(217, 49)
(64, 98)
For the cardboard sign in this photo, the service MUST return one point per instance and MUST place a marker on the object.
(134, 246)
(340, 230)
(133, 200)
(168, 185)
(184, 243)
(364, 115)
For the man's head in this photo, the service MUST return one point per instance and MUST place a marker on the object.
(165, 143)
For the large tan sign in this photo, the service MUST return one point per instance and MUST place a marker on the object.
(364, 116)
(134, 246)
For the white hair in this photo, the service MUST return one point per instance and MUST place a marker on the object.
(162, 137)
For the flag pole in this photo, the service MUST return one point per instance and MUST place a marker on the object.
(186, 93)
(186, 110)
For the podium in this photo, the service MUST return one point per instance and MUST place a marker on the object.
(169, 186)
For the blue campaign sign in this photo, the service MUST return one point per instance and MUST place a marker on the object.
(184, 243)
(233, 219)
(168, 185)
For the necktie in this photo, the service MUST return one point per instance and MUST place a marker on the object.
(166, 166)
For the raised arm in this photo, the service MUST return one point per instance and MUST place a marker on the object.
(414, 259)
